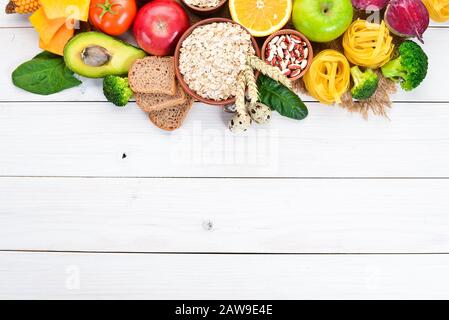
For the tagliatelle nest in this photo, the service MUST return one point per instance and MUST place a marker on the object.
(328, 77)
(368, 44)
(438, 9)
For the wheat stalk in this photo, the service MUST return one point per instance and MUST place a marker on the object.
(253, 91)
(240, 103)
(270, 71)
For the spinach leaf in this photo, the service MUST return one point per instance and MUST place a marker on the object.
(281, 99)
(45, 74)
(46, 55)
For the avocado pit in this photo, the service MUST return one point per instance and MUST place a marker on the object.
(95, 56)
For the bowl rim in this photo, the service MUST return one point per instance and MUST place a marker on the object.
(180, 77)
(205, 10)
(296, 33)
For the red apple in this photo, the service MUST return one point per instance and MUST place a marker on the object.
(159, 25)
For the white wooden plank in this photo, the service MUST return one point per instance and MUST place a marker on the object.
(12, 20)
(100, 276)
(212, 215)
(87, 139)
(23, 44)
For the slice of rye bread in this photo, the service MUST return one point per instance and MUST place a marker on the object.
(172, 118)
(150, 102)
(153, 75)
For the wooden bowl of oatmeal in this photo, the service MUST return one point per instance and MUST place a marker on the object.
(204, 7)
(209, 57)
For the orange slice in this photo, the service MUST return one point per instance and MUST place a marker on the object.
(261, 17)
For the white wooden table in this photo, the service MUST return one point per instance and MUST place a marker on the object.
(95, 202)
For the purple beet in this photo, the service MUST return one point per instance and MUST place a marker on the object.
(407, 18)
(369, 5)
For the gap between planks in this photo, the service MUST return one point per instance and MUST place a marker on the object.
(218, 178)
(168, 253)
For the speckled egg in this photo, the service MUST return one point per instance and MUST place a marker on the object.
(260, 113)
(241, 122)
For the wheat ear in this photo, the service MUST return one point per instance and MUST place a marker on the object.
(241, 121)
(270, 71)
(240, 103)
(253, 91)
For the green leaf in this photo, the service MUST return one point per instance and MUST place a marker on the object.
(45, 74)
(281, 99)
(46, 55)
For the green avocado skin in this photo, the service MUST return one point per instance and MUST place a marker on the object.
(123, 55)
(322, 20)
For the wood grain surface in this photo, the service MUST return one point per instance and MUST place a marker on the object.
(95, 202)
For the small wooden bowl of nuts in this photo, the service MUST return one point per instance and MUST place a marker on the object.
(290, 51)
(204, 7)
(210, 56)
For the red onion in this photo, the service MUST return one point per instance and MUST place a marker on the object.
(407, 18)
(369, 5)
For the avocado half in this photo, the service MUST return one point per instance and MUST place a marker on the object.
(96, 55)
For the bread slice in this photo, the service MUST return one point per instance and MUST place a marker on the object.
(171, 118)
(150, 102)
(153, 75)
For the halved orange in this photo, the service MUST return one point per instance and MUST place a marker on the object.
(261, 17)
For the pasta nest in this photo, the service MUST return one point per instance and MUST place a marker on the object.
(438, 9)
(328, 77)
(368, 44)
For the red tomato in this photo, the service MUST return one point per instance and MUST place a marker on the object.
(113, 17)
(159, 25)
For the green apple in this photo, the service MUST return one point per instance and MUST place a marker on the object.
(322, 20)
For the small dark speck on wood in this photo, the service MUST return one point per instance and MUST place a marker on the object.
(208, 225)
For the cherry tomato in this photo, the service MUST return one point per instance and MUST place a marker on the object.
(113, 17)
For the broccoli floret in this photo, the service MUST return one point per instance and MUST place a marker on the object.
(410, 68)
(365, 83)
(116, 90)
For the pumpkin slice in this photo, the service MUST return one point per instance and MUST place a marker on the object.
(74, 9)
(45, 27)
(58, 42)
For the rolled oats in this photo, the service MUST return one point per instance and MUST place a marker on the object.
(212, 57)
(203, 3)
